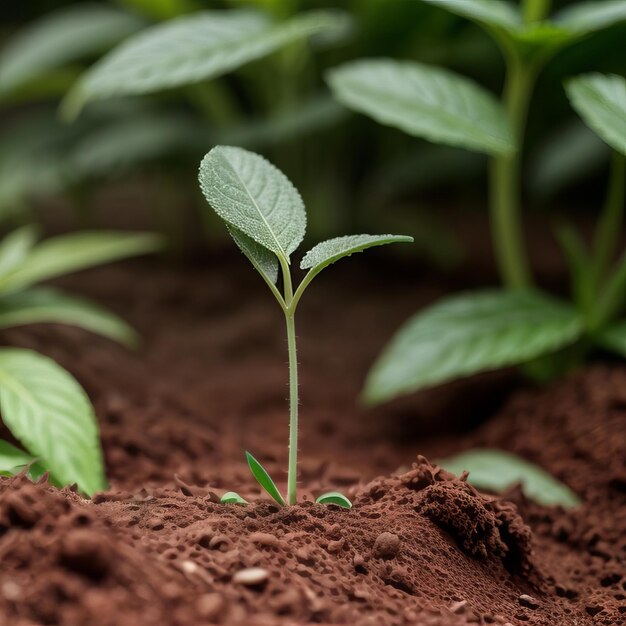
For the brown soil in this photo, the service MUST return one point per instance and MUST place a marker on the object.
(419, 547)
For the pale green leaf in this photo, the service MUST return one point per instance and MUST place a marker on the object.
(264, 261)
(70, 253)
(327, 252)
(334, 497)
(600, 99)
(62, 37)
(43, 305)
(12, 459)
(590, 16)
(48, 411)
(252, 195)
(15, 247)
(191, 49)
(230, 497)
(499, 13)
(614, 338)
(264, 479)
(425, 101)
(496, 470)
(470, 333)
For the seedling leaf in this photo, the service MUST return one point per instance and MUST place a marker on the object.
(334, 497)
(614, 338)
(488, 12)
(230, 497)
(580, 266)
(600, 99)
(327, 252)
(263, 478)
(264, 261)
(43, 305)
(70, 253)
(470, 333)
(255, 197)
(425, 101)
(191, 49)
(496, 470)
(12, 458)
(15, 247)
(48, 411)
(587, 17)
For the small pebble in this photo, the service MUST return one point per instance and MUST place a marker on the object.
(251, 576)
(458, 607)
(528, 601)
(210, 605)
(264, 539)
(155, 523)
(335, 546)
(358, 561)
(189, 567)
(387, 545)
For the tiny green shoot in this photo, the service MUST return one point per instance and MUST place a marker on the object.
(265, 215)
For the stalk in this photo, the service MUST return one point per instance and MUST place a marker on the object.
(610, 224)
(535, 10)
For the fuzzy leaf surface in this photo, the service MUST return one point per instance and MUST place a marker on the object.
(62, 37)
(496, 470)
(193, 48)
(12, 458)
(614, 338)
(255, 197)
(334, 497)
(489, 12)
(424, 101)
(48, 306)
(70, 253)
(15, 247)
(48, 411)
(264, 261)
(327, 252)
(264, 479)
(590, 16)
(600, 99)
(470, 333)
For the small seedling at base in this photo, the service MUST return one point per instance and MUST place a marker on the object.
(265, 215)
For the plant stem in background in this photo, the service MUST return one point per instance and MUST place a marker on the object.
(535, 10)
(609, 227)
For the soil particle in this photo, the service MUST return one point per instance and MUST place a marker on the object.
(387, 545)
(251, 577)
(528, 601)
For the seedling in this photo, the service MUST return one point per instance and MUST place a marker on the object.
(265, 215)
(42, 405)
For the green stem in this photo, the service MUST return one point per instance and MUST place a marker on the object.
(535, 10)
(505, 183)
(609, 227)
(292, 471)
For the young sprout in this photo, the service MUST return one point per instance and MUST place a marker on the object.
(265, 215)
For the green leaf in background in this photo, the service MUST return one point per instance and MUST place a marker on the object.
(600, 99)
(230, 497)
(264, 479)
(14, 248)
(424, 101)
(334, 497)
(191, 49)
(44, 305)
(162, 9)
(327, 252)
(470, 333)
(62, 37)
(264, 261)
(47, 410)
(614, 338)
(496, 470)
(255, 197)
(70, 253)
(590, 16)
(580, 266)
(12, 459)
(499, 13)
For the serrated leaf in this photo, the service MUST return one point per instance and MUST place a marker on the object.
(425, 101)
(600, 99)
(489, 12)
(12, 458)
(264, 479)
(230, 497)
(587, 17)
(15, 247)
(496, 470)
(255, 197)
(334, 497)
(59, 38)
(470, 333)
(327, 252)
(264, 261)
(47, 410)
(191, 49)
(70, 253)
(614, 338)
(44, 305)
